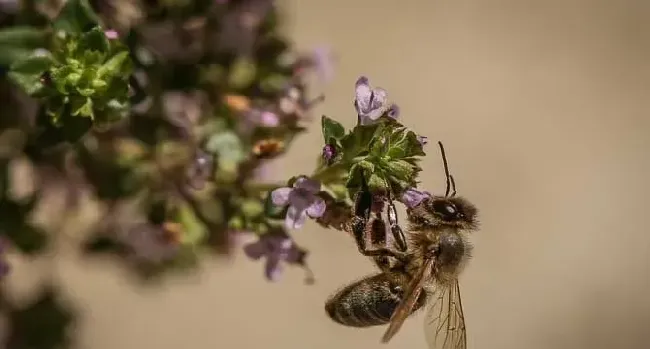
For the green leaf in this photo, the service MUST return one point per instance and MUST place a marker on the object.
(339, 191)
(377, 183)
(354, 179)
(27, 73)
(114, 65)
(252, 208)
(82, 107)
(193, 230)
(404, 143)
(77, 16)
(227, 145)
(94, 40)
(400, 169)
(358, 141)
(332, 130)
(18, 43)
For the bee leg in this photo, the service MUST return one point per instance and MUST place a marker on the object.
(362, 225)
(396, 230)
(359, 230)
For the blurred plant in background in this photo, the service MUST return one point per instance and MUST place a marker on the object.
(165, 113)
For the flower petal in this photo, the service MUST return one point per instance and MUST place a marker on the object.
(296, 255)
(393, 111)
(295, 218)
(324, 62)
(280, 196)
(255, 250)
(317, 208)
(310, 185)
(363, 93)
(273, 268)
(269, 119)
(379, 98)
(413, 197)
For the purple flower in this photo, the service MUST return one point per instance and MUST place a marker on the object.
(200, 170)
(323, 62)
(111, 34)
(329, 152)
(413, 197)
(153, 243)
(277, 248)
(302, 199)
(263, 118)
(393, 111)
(371, 103)
(423, 140)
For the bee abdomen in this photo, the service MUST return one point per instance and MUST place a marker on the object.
(365, 303)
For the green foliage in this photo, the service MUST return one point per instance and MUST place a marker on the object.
(86, 76)
(77, 73)
(18, 43)
(76, 16)
(386, 153)
(165, 131)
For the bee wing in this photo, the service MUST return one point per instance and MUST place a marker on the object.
(411, 296)
(444, 326)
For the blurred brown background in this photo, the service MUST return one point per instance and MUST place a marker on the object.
(544, 107)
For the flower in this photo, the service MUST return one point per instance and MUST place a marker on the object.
(423, 140)
(276, 248)
(153, 243)
(413, 197)
(393, 111)
(371, 103)
(329, 152)
(321, 60)
(263, 118)
(111, 34)
(302, 199)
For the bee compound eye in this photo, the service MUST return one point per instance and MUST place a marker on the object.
(450, 209)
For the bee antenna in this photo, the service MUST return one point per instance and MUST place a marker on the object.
(453, 185)
(447, 176)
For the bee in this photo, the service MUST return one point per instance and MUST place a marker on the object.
(421, 269)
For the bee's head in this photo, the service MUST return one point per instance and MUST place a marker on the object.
(445, 211)
(451, 211)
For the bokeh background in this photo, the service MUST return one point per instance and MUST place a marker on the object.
(544, 108)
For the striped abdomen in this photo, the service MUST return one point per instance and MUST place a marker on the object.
(369, 301)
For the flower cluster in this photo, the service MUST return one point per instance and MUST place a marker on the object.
(379, 151)
(166, 114)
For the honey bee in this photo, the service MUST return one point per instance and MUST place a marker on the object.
(422, 269)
